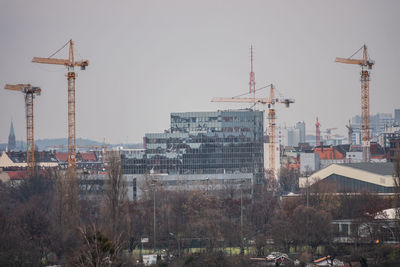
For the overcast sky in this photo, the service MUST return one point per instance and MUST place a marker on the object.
(151, 58)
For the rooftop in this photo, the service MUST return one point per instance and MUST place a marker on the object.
(382, 168)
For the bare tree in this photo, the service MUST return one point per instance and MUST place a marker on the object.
(98, 250)
(115, 209)
(313, 227)
(288, 179)
(67, 205)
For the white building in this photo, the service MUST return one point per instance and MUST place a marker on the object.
(309, 162)
(354, 156)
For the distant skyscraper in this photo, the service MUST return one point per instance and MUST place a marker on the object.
(301, 125)
(397, 115)
(378, 123)
(11, 138)
(291, 137)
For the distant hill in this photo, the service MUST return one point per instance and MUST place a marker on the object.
(46, 144)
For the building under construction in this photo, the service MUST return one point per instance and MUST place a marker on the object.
(220, 142)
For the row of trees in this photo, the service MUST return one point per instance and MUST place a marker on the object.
(42, 220)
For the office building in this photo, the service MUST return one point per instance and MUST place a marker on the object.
(201, 143)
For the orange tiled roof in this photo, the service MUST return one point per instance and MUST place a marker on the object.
(328, 153)
(89, 156)
(62, 156)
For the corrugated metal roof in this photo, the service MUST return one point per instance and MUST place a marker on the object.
(382, 168)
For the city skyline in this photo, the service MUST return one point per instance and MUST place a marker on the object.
(147, 60)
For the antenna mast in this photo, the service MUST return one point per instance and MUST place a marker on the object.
(252, 83)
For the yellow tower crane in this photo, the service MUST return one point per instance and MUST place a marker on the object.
(366, 64)
(29, 92)
(70, 63)
(271, 117)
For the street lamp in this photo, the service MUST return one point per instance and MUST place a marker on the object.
(241, 217)
(154, 213)
(179, 246)
(307, 192)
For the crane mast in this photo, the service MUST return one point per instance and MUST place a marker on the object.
(70, 63)
(29, 93)
(366, 64)
(271, 131)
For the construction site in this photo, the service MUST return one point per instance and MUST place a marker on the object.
(246, 141)
(201, 161)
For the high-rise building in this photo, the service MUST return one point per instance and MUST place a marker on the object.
(11, 138)
(301, 125)
(397, 115)
(220, 142)
(291, 137)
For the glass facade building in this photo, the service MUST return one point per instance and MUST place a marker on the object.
(204, 143)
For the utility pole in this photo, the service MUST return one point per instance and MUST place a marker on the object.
(241, 217)
(241, 220)
(307, 191)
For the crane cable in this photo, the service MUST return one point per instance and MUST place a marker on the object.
(254, 91)
(58, 50)
(355, 52)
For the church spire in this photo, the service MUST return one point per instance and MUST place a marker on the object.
(11, 137)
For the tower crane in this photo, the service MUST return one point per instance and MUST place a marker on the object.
(271, 117)
(30, 92)
(70, 63)
(366, 64)
(350, 132)
(271, 110)
(328, 132)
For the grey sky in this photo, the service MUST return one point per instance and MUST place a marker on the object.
(151, 58)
